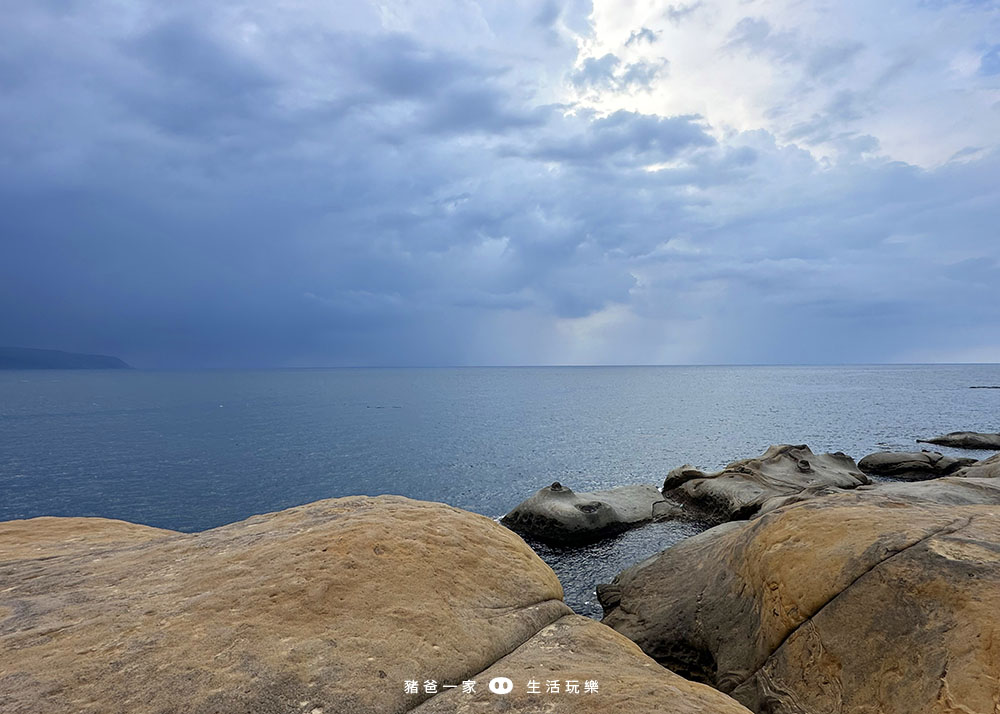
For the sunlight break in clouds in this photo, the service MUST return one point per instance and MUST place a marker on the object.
(912, 81)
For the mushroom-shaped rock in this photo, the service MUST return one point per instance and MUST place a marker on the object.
(965, 440)
(912, 466)
(861, 601)
(741, 489)
(558, 514)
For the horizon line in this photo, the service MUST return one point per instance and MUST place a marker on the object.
(563, 366)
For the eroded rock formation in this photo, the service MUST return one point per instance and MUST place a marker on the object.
(882, 599)
(327, 608)
(741, 489)
(558, 514)
(912, 466)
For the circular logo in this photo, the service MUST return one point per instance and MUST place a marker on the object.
(501, 685)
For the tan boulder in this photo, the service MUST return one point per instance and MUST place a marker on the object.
(858, 602)
(578, 649)
(49, 536)
(325, 608)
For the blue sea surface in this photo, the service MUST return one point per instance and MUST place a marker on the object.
(194, 450)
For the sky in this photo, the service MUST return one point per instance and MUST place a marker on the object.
(419, 182)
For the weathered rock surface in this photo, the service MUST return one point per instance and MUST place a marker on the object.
(47, 536)
(954, 490)
(325, 608)
(742, 488)
(577, 648)
(965, 440)
(987, 468)
(913, 465)
(860, 602)
(558, 514)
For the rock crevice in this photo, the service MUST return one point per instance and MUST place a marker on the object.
(851, 602)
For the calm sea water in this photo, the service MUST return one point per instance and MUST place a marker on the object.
(193, 450)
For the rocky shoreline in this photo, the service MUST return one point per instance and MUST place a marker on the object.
(818, 591)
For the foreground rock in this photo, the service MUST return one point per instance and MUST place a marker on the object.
(965, 440)
(558, 514)
(912, 466)
(859, 602)
(575, 646)
(741, 489)
(47, 536)
(328, 608)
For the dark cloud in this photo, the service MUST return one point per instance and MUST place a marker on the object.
(989, 64)
(678, 13)
(189, 187)
(830, 59)
(643, 73)
(627, 139)
(608, 73)
(640, 36)
(596, 72)
(755, 35)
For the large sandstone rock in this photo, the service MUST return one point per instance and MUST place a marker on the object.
(965, 440)
(912, 466)
(47, 536)
(326, 608)
(558, 514)
(578, 649)
(861, 602)
(955, 490)
(742, 488)
(987, 468)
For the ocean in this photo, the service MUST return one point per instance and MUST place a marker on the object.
(195, 450)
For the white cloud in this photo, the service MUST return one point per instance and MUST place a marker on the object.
(821, 74)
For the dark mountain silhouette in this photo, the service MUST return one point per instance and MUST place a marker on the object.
(28, 358)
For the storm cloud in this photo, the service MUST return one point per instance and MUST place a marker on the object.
(487, 183)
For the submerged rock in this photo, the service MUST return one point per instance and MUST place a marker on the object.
(882, 599)
(741, 489)
(325, 608)
(912, 466)
(558, 514)
(965, 440)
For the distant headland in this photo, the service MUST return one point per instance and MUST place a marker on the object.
(28, 358)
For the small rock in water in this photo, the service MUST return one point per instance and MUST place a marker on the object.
(912, 466)
(557, 514)
(965, 440)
